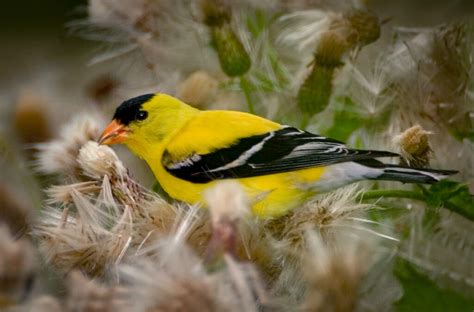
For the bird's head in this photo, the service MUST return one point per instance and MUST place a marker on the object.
(145, 121)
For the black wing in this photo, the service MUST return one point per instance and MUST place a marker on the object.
(283, 150)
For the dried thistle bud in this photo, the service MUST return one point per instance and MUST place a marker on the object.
(315, 92)
(325, 212)
(334, 273)
(60, 156)
(228, 205)
(365, 26)
(233, 58)
(99, 160)
(87, 295)
(215, 13)
(17, 265)
(86, 237)
(198, 89)
(30, 120)
(414, 147)
(173, 280)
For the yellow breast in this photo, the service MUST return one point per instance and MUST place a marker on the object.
(270, 195)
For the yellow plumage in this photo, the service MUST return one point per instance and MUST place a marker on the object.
(194, 131)
(279, 167)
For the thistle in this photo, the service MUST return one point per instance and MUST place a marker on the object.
(334, 272)
(233, 58)
(60, 155)
(315, 92)
(333, 35)
(414, 147)
(95, 228)
(365, 27)
(324, 214)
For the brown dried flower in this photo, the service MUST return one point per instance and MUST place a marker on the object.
(414, 147)
(334, 273)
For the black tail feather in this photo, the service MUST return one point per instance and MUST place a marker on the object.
(406, 174)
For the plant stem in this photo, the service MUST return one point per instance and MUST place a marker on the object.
(245, 86)
(304, 121)
(392, 194)
(376, 194)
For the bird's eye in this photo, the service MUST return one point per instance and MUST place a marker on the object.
(141, 115)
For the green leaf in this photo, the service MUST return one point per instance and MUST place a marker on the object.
(453, 196)
(420, 293)
(247, 88)
(345, 121)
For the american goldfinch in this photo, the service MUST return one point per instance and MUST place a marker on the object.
(279, 166)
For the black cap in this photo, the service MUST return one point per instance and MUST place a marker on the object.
(128, 110)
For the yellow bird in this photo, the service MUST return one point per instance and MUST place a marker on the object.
(279, 166)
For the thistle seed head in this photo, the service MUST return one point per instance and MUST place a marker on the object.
(414, 146)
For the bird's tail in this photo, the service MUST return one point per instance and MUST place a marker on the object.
(413, 175)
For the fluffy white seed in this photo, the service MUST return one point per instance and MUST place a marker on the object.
(99, 160)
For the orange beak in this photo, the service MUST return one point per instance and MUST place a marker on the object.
(114, 133)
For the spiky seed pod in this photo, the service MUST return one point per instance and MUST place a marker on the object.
(233, 58)
(365, 27)
(315, 92)
(17, 266)
(414, 147)
(198, 89)
(30, 120)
